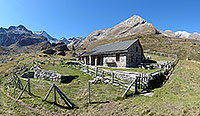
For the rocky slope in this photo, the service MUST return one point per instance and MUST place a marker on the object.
(131, 26)
(76, 42)
(58, 48)
(46, 35)
(18, 35)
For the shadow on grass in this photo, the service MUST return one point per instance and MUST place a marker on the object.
(30, 96)
(61, 106)
(129, 95)
(101, 102)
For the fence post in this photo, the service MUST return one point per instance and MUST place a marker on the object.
(167, 66)
(23, 90)
(29, 87)
(139, 82)
(129, 87)
(136, 84)
(102, 76)
(96, 72)
(112, 77)
(142, 80)
(87, 69)
(164, 68)
(49, 91)
(55, 95)
(89, 91)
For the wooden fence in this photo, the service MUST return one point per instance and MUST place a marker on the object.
(17, 81)
(123, 79)
(136, 80)
(168, 66)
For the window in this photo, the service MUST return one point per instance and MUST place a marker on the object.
(132, 59)
(136, 49)
(117, 57)
(136, 59)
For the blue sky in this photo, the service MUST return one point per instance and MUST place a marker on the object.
(71, 18)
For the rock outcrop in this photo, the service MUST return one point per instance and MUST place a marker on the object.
(53, 48)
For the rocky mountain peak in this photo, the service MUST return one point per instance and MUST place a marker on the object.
(22, 28)
(131, 26)
(12, 28)
(46, 35)
(63, 38)
(133, 21)
(182, 34)
(2, 30)
(17, 28)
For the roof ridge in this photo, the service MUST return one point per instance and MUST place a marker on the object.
(116, 46)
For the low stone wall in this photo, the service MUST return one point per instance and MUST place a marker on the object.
(46, 74)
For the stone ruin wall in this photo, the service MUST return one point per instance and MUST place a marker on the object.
(46, 74)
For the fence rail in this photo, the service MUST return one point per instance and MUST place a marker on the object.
(167, 66)
(123, 79)
(136, 80)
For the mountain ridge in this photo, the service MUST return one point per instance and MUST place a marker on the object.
(181, 34)
(131, 26)
(18, 35)
(134, 25)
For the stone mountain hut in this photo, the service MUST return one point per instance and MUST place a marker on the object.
(119, 54)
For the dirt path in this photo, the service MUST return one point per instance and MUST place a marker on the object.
(194, 61)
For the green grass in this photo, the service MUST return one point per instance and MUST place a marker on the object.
(158, 58)
(7, 107)
(179, 96)
(77, 91)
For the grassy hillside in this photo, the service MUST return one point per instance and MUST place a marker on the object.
(184, 48)
(179, 96)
